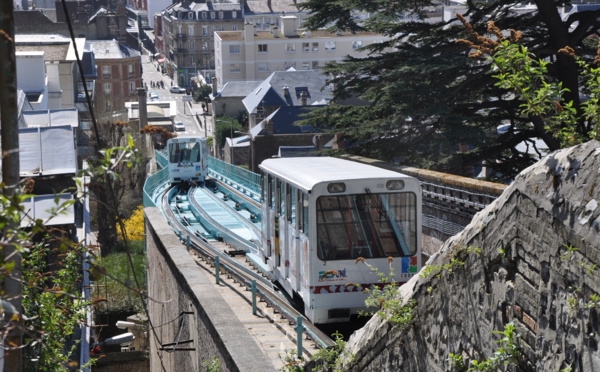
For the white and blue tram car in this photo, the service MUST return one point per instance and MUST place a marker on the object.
(320, 214)
(188, 159)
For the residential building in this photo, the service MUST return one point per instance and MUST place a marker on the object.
(119, 76)
(228, 100)
(47, 69)
(254, 55)
(187, 35)
(266, 14)
(286, 89)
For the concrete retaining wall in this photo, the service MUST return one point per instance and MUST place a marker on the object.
(176, 287)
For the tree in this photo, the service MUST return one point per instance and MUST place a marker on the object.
(425, 97)
(202, 94)
(225, 127)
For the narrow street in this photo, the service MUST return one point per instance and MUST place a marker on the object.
(186, 111)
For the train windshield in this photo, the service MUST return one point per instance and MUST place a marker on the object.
(366, 225)
(184, 152)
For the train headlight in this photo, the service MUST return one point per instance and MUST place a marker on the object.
(336, 188)
(394, 185)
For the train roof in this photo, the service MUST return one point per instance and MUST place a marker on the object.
(307, 172)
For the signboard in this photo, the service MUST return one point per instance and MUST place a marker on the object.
(187, 98)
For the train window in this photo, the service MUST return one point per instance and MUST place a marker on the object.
(184, 152)
(293, 196)
(281, 187)
(272, 192)
(304, 221)
(366, 225)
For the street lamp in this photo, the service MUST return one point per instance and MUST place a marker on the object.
(251, 148)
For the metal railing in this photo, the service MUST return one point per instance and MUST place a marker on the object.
(241, 176)
(153, 184)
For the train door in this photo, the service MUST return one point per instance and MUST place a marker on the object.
(291, 262)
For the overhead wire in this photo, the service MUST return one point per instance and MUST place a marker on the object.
(100, 144)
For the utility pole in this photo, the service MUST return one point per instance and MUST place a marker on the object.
(9, 130)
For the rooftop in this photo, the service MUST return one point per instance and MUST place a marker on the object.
(111, 49)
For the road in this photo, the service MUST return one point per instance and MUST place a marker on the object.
(185, 111)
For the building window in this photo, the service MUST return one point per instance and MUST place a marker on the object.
(220, 15)
(108, 106)
(262, 48)
(190, 15)
(204, 30)
(315, 65)
(315, 47)
(191, 30)
(179, 27)
(130, 69)
(288, 65)
(234, 28)
(106, 71)
(234, 49)
(193, 61)
(290, 47)
(131, 87)
(213, 15)
(107, 88)
(305, 47)
(306, 65)
(192, 45)
(234, 67)
(357, 44)
(205, 45)
(203, 15)
(330, 45)
(234, 15)
(263, 67)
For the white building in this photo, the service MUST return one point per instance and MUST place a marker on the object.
(254, 55)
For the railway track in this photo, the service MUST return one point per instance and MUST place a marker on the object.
(239, 267)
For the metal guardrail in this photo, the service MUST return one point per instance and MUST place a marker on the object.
(161, 158)
(153, 184)
(241, 176)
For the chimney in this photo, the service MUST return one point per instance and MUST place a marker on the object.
(269, 127)
(274, 30)
(303, 98)
(142, 107)
(249, 32)
(214, 86)
(288, 26)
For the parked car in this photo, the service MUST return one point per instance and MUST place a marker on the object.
(177, 89)
(179, 126)
(153, 96)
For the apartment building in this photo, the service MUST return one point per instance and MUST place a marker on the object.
(253, 55)
(187, 36)
(265, 14)
(119, 75)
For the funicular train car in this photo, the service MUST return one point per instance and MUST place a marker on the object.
(188, 159)
(320, 214)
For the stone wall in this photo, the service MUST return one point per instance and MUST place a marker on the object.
(540, 245)
(183, 307)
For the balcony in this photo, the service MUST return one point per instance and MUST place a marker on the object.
(181, 36)
(182, 50)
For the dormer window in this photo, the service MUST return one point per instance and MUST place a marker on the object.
(220, 15)
(191, 15)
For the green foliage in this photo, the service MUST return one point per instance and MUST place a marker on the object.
(455, 262)
(202, 94)
(386, 300)
(292, 363)
(117, 285)
(225, 127)
(52, 304)
(212, 365)
(507, 354)
(422, 64)
(333, 359)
